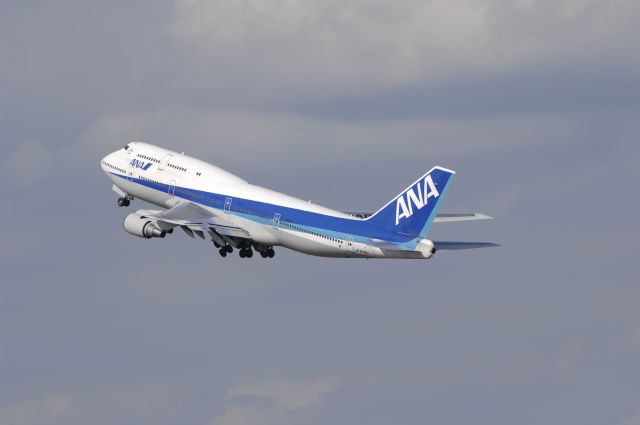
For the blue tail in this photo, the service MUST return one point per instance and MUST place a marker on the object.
(413, 211)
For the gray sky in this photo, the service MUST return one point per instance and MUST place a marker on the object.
(534, 103)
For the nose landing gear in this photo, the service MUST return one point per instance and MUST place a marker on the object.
(123, 202)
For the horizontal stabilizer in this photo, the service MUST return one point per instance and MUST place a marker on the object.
(440, 218)
(446, 218)
(454, 246)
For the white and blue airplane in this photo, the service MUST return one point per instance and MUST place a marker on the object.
(204, 200)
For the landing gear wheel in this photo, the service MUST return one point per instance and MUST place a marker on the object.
(271, 253)
(249, 253)
(223, 253)
(242, 253)
(229, 249)
(264, 254)
(123, 202)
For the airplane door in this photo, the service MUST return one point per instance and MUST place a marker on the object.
(172, 188)
(164, 162)
(227, 205)
(276, 220)
(350, 245)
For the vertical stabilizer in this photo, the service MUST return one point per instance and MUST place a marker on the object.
(413, 210)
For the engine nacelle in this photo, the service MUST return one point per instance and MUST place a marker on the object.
(427, 248)
(142, 227)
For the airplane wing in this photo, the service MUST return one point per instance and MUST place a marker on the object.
(454, 246)
(193, 218)
(440, 218)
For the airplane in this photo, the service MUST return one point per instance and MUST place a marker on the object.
(204, 200)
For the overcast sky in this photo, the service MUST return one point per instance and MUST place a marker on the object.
(536, 105)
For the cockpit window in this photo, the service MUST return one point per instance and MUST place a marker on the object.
(126, 147)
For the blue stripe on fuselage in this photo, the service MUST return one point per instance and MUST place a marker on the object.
(263, 213)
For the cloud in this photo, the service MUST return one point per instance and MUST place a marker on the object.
(28, 163)
(363, 42)
(330, 40)
(283, 401)
(291, 395)
(36, 411)
(630, 420)
(228, 134)
(534, 102)
(91, 405)
(568, 358)
(633, 337)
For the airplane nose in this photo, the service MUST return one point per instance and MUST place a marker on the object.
(104, 163)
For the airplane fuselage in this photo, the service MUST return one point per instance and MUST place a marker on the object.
(166, 179)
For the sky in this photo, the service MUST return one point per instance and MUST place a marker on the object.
(535, 104)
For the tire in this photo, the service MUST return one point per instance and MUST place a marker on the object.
(223, 253)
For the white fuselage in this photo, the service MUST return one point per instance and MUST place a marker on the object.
(165, 178)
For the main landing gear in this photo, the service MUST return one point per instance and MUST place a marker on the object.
(123, 202)
(268, 253)
(227, 249)
(248, 253)
(245, 252)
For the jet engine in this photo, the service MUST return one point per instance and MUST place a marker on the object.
(142, 227)
(427, 248)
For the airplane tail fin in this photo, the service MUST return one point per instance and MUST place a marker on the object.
(413, 210)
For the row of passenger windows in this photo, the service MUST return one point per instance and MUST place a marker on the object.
(114, 167)
(148, 158)
(301, 229)
(286, 224)
(249, 212)
(176, 167)
(190, 193)
(150, 180)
